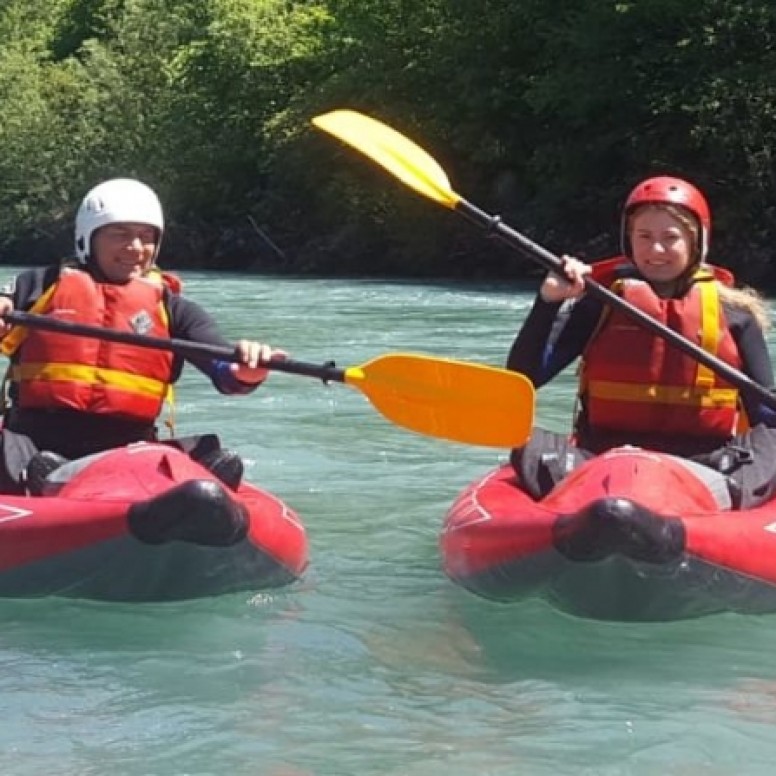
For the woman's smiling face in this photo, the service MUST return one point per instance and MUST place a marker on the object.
(662, 244)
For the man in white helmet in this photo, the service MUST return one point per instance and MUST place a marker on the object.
(75, 396)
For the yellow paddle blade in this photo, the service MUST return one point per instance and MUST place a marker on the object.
(454, 400)
(399, 155)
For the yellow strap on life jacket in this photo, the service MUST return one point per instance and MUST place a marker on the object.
(13, 340)
(169, 399)
(690, 396)
(90, 375)
(710, 338)
(710, 333)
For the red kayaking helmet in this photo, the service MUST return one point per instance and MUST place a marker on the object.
(670, 191)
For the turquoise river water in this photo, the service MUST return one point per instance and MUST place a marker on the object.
(374, 664)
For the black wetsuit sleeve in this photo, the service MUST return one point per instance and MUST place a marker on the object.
(552, 337)
(189, 321)
(755, 361)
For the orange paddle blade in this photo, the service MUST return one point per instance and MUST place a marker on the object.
(454, 400)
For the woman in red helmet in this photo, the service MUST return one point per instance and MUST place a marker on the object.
(635, 388)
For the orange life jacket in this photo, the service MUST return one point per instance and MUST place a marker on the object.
(634, 381)
(55, 370)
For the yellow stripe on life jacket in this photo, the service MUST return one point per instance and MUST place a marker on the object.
(710, 333)
(696, 397)
(171, 282)
(13, 340)
(90, 376)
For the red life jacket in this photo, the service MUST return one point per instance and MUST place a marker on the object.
(56, 370)
(633, 381)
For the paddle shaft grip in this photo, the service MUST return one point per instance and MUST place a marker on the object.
(325, 372)
(494, 226)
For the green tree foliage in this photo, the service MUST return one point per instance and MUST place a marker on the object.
(545, 112)
(29, 141)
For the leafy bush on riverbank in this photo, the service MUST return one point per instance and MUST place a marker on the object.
(544, 112)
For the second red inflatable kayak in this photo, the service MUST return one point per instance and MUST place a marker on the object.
(629, 535)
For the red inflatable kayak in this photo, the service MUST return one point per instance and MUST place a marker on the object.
(147, 523)
(629, 535)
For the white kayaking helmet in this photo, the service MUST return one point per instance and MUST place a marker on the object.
(120, 200)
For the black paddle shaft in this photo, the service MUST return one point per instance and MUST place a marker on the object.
(327, 372)
(494, 226)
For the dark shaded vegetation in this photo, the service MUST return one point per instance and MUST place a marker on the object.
(546, 113)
